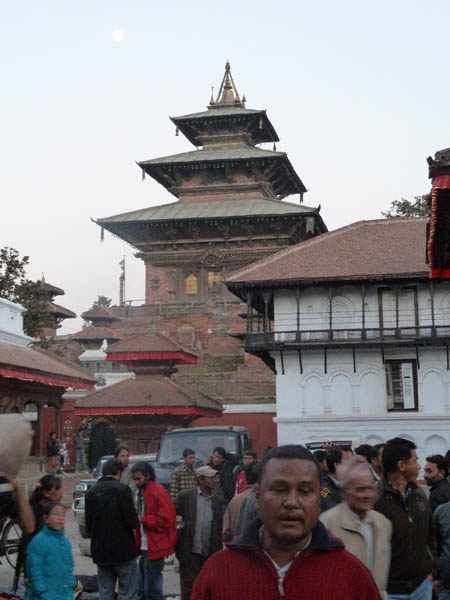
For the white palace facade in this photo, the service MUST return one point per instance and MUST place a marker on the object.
(357, 334)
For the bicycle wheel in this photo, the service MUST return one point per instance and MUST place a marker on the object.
(10, 541)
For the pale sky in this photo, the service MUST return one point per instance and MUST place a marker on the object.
(358, 92)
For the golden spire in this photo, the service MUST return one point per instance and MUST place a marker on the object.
(228, 94)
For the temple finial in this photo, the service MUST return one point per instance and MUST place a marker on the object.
(228, 94)
(212, 101)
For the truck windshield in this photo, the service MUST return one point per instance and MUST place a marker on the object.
(202, 442)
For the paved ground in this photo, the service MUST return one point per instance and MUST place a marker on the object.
(83, 564)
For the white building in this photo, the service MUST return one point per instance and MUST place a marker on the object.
(357, 333)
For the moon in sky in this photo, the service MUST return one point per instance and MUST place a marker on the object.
(117, 35)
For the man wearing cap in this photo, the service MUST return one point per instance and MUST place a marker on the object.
(201, 529)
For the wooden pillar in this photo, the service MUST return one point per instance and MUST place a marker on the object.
(330, 315)
(297, 297)
(266, 295)
(249, 312)
(363, 311)
(397, 316)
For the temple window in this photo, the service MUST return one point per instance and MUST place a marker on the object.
(191, 285)
(214, 281)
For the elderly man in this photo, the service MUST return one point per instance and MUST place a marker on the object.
(288, 552)
(365, 533)
(201, 529)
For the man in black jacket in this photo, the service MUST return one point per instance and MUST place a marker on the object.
(224, 463)
(435, 474)
(110, 521)
(407, 507)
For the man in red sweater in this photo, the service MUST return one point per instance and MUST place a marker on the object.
(287, 553)
(157, 533)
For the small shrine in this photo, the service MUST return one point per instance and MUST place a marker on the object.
(139, 410)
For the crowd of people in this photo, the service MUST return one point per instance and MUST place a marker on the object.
(335, 523)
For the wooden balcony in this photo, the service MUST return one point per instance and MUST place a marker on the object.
(339, 338)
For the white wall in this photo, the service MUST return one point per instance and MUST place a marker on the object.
(345, 403)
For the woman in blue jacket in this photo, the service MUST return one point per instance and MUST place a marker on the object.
(49, 559)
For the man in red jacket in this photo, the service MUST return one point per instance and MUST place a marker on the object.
(287, 552)
(156, 536)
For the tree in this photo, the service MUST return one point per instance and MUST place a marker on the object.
(420, 207)
(15, 286)
(101, 302)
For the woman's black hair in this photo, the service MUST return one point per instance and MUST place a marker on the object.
(45, 484)
(50, 506)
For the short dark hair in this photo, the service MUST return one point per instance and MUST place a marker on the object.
(144, 468)
(250, 453)
(375, 451)
(252, 472)
(396, 449)
(334, 457)
(47, 508)
(188, 452)
(364, 450)
(440, 462)
(220, 450)
(320, 455)
(289, 451)
(45, 484)
(119, 450)
(112, 466)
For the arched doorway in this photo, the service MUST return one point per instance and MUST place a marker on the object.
(102, 441)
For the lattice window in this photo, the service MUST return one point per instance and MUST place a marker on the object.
(191, 285)
(214, 281)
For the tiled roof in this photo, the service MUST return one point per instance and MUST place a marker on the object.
(217, 209)
(229, 111)
(154, 391)
(99, 313)
(363, 250)
(42, 361)
(152, 342)
(228, 153)
(95, 333)
(60, 311)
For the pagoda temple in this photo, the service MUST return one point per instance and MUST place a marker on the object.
(229, 210)
(141, 409)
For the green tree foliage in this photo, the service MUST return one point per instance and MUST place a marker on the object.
(101, 302)
(15, 286)
(419, 207)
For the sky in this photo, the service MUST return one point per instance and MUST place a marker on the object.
(358, 92)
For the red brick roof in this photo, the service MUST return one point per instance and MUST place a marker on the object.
(95, 333)
(382, 248)
(152, 342)
(35, 364)
(153, 392)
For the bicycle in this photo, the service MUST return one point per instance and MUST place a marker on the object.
(10, 535)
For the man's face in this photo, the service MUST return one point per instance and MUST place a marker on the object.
(247, 459)
(140, 480)
(432, 473)
(410, 468)
(377, 462)
(207, 483)
(189, 460)
(288, 499)
(360, 494)
(124, 457)
(217, 459)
